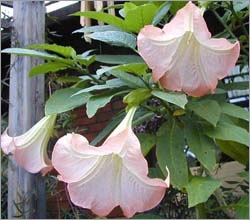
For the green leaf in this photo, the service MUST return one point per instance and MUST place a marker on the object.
(96, 28)
(240, 5)
(201, 146)
(155, 172)
(65, 51)
(136, 97)
(110, 84)
(177, 5)
(47, 67)
(131, 80)
(170, 152)
(96, 102)
(238, 152)
(144, 116)
(140, 117)
(85, 58)
(86, 54)
(63, 101)
(32, 53)
(136, 17)
(147, 141)
(234, 110)
(207, 109)
(229, 132)
(176, 98)
(242, 208)
(115, 38)
(235, 86)
(86, 61)
(136, 68)
(163, 10)
(68, 79)
(109, 127)
(119, 59)
(199, 189)
(104, 17)
(244, 175)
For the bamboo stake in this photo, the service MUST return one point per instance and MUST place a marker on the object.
(98, 5)
(84, 21)
(111, 10)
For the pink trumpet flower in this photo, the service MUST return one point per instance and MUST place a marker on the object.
(114, 174)
(30, 149)
(183, 56)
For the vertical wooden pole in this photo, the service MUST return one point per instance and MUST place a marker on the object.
(26, 192)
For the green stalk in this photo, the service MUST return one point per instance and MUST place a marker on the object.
(86, 72)
(223, 23)
(200, 211)
(238, 18)
(219, 197)
(227, 28)
(222, 203)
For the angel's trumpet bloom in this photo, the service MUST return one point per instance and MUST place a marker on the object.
(114, 174)
(30, 149)
(183, 56)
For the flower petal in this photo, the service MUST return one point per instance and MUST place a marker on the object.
(97, 190)
(139, 193)
(198, 67)
(188, 19)
(114, 174)
(182, 55)
(112, 184)
(124, 124)
(42, 127)
(7, 143)
(157, 49)
(34, 157)
(74, 150)
(101, 178)
(130, 151)
(137, 189)
(30, 149)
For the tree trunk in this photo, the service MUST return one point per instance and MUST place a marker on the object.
(26, 192)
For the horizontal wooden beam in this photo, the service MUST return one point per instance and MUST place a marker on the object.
(7, 3)
(63, 13)
(10, 3)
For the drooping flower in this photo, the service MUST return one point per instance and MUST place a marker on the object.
(183, 56)
(114, 174)
(30, 149)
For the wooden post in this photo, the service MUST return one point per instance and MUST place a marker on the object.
(26, 192)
